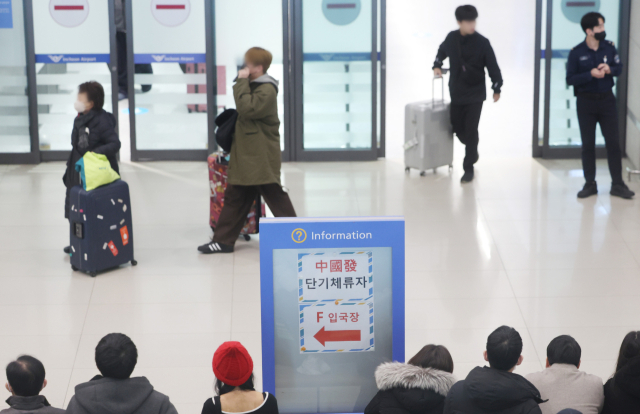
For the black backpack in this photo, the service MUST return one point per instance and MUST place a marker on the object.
(226, 123)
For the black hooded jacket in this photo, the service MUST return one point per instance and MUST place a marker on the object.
(488, 390)
(408, 389)
(94, 131)
(476, 53)
(622, 392)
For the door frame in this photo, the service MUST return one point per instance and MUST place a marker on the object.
(293, 75)
(545, 150)
(175, 154)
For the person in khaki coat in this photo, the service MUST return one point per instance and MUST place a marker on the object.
(254, 164)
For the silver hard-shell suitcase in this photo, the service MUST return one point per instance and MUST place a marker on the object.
(428, 135)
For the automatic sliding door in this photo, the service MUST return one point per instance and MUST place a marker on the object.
(558, 131)
(16, 143)
(336, 72)
(167, 54)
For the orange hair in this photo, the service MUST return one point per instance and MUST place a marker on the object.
(259, 56)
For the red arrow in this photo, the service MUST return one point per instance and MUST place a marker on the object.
(336, 336)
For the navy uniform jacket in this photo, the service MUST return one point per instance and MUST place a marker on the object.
(582, 59)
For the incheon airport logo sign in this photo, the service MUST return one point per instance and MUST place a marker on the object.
(300, 235)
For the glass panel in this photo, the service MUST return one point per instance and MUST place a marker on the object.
(567, 33)
(541, 91)
(337, 74)
(171, 86)
(261, 26)
(14, 104)
(72, 47)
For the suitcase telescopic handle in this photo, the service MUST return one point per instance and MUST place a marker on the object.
(433, 88)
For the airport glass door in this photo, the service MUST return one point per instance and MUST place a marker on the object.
(556, 131)
(18, 137)
(336, 79)
(171, 101)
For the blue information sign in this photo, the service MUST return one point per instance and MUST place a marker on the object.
(6, 14)
(332, 292)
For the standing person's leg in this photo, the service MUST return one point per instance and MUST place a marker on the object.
(237, 204)
(608, 118)
(471, 122)
(278, 200)
(587, 120)
(121, 43)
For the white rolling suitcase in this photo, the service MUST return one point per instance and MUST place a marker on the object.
(428, 135)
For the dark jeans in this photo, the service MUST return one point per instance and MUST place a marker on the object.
(238, 200)
(465, 120)
(604, 112)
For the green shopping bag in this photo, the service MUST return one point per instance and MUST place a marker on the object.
(95, 171)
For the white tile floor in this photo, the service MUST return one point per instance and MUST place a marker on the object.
(515, 247)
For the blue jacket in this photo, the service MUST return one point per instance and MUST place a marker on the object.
(582, 59)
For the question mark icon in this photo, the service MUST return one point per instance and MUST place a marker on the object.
(299, 235)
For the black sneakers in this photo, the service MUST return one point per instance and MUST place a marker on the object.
(618, 190)
(67, 249)
(214, 247)
(622, 191)
(467, 177)
(588, 190)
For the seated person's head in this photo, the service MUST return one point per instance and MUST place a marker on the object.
(563, 350)
(433, 356)
(504, 349)
(25, 377)
(466, 17)
(116, 356)
(233, 368)
(90, 96)
(629, 349)
(258, 61)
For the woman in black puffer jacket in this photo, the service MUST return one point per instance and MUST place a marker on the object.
(417, 387)
(94, 129)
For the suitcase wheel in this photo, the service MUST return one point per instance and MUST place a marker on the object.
(451, 166)
(134, 262)
(246, 237)
(423, 173)
(435, 171)
(74, 268)
(407, 170)
(93, 274)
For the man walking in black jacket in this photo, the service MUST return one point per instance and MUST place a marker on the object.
(469, 53)
(496, 389)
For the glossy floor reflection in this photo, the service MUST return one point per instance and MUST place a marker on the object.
(514, 247)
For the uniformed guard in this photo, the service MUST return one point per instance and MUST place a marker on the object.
(590, 69)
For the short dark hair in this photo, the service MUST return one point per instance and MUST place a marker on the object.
(590, 20)
(26, 376)
(433, 356)
(564, 350)
(629, 349)
(504, 347)
(95, 93)
(116, 356)
(466, 12)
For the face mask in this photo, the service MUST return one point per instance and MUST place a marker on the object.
(600, 36)
(79, 106)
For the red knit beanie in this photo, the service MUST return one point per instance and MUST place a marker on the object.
(232, 364)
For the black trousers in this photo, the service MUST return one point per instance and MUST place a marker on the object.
(604, 112)
(121, 43)
(465, 120)
(237, 203)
